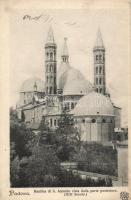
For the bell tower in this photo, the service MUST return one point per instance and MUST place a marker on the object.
(99, 65)
(50, 64)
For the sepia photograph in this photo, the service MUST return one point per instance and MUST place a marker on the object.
(68, 98)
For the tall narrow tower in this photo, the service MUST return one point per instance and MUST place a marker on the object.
(99, 65)
(65, 55)
(50, 64)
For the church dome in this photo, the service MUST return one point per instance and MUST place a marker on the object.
(70, 75)
(64, 67)
(77, 87)
(28, 85)
(94, 104)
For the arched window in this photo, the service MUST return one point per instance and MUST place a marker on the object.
(97, 57)
(104, 121)
(47, 54)
(100, 69)
(50, 68)
(83, 120)
(47, 79)
(76, 121)
(51, 122)
(96, 80)
(54, 54)
(100, 57)
(46, 68)
(54, 122)
(50, 90)
(54, 69)
(51, 56)
(93, 120)
(51, 79)
(54, 90)
(100, 81)
(54, 79)
(96, 89)
(96, 70)
(68, 105)
(72, 105)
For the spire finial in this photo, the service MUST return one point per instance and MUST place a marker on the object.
(99, 40)
(50, 36)
(64, 53)
(65, 48)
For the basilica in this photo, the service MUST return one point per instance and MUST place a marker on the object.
(90, 105)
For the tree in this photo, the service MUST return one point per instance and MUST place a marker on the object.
(22, 116)
(68, 138)
(19, 135)
(46, 136)
(40, 169)
(92, 158)
(14, 172)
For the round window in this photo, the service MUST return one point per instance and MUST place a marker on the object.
(93, 120)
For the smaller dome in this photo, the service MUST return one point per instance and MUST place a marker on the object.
(77, 87)
(94, 104)
(28, 85)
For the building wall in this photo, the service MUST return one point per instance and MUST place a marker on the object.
(27, 97)
(94, 128)
(117, 113)
(52, 121)
(29, 115)
(70, 101)
(34, 114)
(123, 164)
(94, 132)
(105, 132)
(38, 113)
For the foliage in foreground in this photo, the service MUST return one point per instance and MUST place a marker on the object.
(91, 158)
(35, 159)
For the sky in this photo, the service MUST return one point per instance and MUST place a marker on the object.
(28, 36)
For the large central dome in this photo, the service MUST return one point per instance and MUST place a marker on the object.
(69, 75)
(77, 87)
(64, 67)
(71, 80)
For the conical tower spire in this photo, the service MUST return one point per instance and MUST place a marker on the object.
(99, 40)
(64, 53)
(50, 36)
